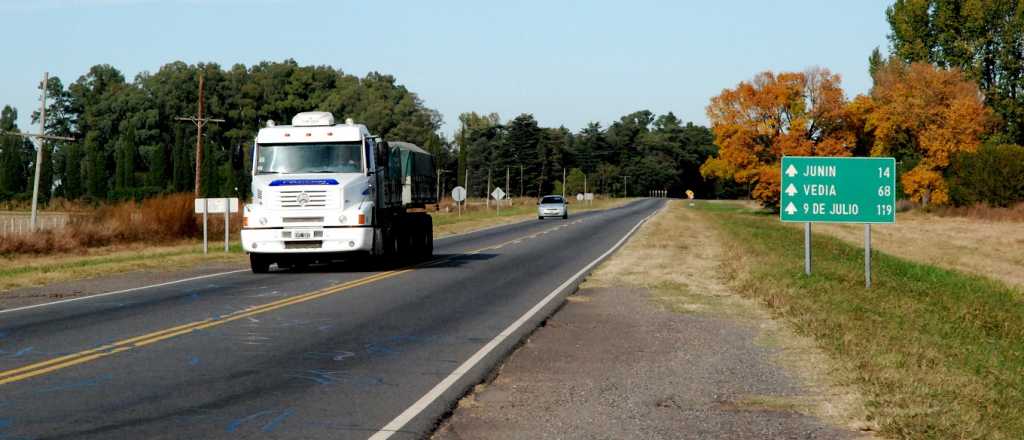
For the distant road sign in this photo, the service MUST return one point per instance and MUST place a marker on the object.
(498, 194)
(689, 194)
(588, 196)
(838, 189)
(458, 193)
(217, 206)
(579, 197)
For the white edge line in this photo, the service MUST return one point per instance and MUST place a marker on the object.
(98, 295)
(438, 390)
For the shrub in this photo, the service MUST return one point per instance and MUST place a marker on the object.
(993, 175)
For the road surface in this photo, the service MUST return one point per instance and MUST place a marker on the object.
(332, 352)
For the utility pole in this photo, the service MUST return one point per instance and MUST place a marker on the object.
(488, 195)
(563, 183)
(41, 138)
(625, 187)
(521, 194)
(200, 122)
(506, 185)
(589, 202)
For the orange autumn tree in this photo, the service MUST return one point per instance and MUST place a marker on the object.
(758, 122)
(925, 115)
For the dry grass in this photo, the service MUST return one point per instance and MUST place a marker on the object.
(983, 212)
(991, 248)
(681, 257)
(157, 220)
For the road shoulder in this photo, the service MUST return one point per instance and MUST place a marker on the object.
(655, 345)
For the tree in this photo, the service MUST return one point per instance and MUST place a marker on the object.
(15, 155)
(981, 38)
(923, 116)
(792, 113)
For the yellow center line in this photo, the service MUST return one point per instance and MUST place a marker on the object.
(61, 362)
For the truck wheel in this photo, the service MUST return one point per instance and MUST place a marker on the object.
(259, 263)
(428, 226)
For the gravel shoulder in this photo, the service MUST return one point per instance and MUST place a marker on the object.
(655, 346)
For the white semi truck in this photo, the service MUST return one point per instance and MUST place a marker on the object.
(323, 191)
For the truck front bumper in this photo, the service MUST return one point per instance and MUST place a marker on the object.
(307, 240)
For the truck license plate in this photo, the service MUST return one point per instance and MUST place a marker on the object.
(302, 234)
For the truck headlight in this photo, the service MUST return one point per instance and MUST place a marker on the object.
(342, 219)
(263, 221)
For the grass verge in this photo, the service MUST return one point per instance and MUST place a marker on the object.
(27, 271)
(937, 353)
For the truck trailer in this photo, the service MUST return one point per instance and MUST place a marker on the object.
(323, 191)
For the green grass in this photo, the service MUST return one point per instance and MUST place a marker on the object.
(937, 353)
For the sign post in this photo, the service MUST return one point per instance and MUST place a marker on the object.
(226, 206)
(498, 195)
(838, 190)
(458, 195)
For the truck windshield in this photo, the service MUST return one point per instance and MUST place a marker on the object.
(341, 157)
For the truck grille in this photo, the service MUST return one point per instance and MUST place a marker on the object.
(303, 199)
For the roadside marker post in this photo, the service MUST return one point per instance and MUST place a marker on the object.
(838, 190)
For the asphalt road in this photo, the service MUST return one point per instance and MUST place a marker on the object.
(333, 352)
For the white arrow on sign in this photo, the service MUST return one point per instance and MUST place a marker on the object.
(791, 171)
(791, 190)
(790, 208)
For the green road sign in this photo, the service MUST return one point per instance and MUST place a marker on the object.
(838, 189)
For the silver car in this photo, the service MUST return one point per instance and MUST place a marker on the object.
(552, 206)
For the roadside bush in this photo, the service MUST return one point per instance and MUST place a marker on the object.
(993, 175)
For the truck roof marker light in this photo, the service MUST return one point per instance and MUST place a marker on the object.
(330, 133)
(287, 135)
(309, 134)
(362, 219)
(349, 121)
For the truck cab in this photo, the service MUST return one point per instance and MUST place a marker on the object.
(323, 190)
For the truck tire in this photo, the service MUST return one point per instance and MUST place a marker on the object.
(259, 263)
(428, 226)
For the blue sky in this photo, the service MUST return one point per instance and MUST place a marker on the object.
(567, 62)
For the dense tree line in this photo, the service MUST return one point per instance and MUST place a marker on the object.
(642, 150)
(128, 143)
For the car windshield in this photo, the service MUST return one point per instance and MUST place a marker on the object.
(341, 157)
(550, 199)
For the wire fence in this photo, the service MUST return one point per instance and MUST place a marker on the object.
(21, 224)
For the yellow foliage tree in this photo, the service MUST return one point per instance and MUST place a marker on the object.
(758, 122)
(935, 112)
